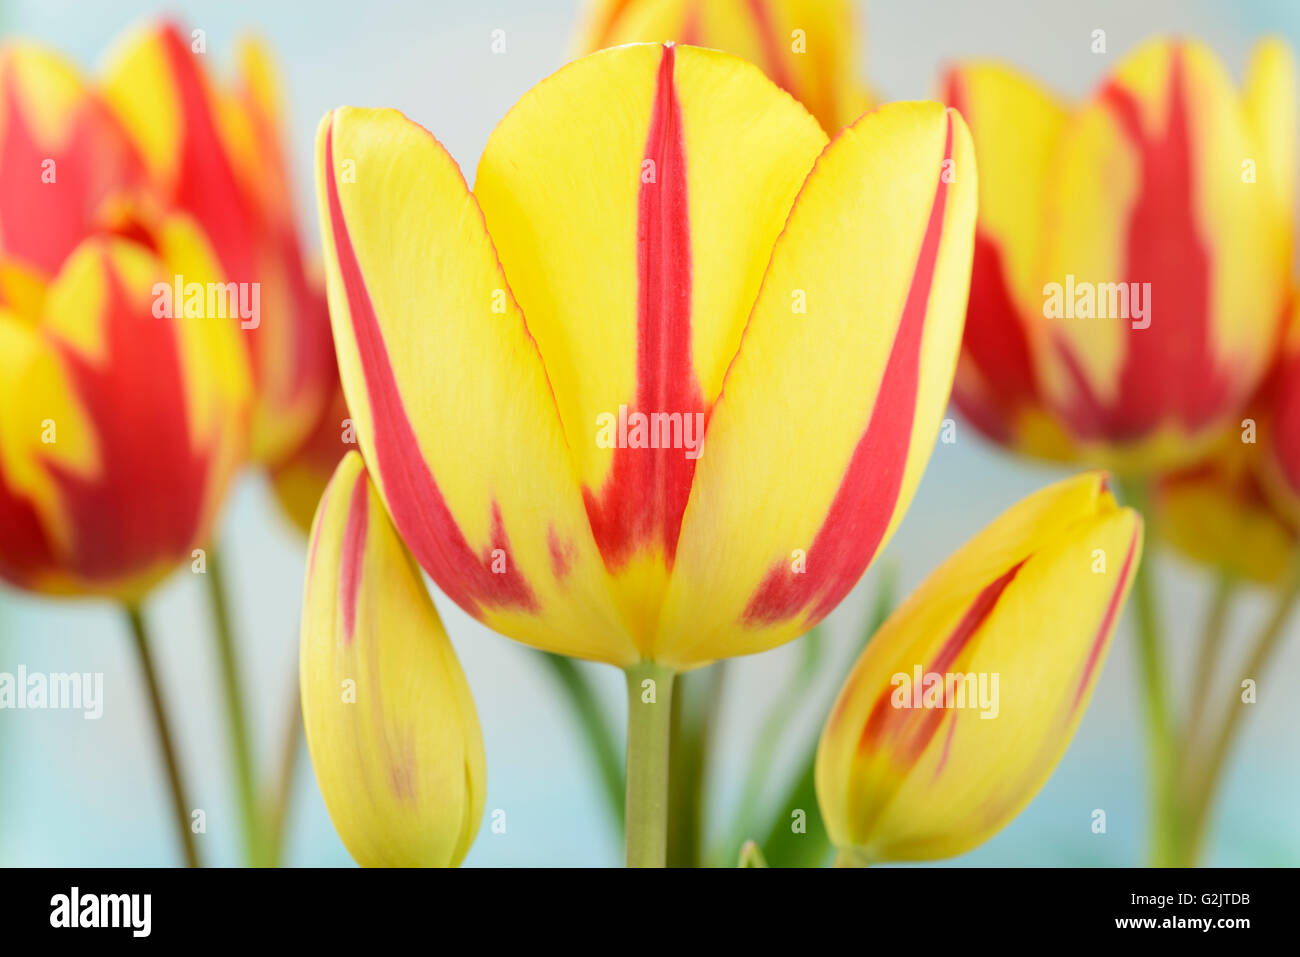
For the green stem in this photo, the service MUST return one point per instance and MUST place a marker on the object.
(1205, 784)
(1211, 645)
(255, 846)
(595, 728)
(180, 805)
(1166, 815)
(291, 745)
(695, 703)
(649, 724)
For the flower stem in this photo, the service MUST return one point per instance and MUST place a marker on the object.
(1166, 813)
(1205, 784)
(1207, 657)
(290, 746)
(180, 805)
(649, 726)
(255, 846)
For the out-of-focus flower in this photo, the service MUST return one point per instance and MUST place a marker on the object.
(806, 47)
(120, 426)
(216, 153)
(300, 478)
(1218, 512)
(966, 698)
(390, 722)
(1131, 255)
(649, 247)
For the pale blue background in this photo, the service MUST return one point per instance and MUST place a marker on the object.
(92, 793)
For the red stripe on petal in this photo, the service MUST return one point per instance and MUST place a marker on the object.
(206, 185)
(1169, 371)
(643, 497)
(351, 560)
(861, 511)
(911, 729)
(1108, 620)
(413, 498)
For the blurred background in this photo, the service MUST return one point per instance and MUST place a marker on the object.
(78, 792)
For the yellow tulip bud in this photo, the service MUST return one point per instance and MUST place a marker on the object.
(962, 704)
(391, 726)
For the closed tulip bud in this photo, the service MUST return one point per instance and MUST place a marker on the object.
(966, 698)
(1132, 253)
(391, 726)
(121, 422)
(806, 47)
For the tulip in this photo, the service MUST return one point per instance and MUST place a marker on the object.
(1131, 253)
(659, 238)
(391, 726)
(915, 767)
(488, 435)
(216, 153)
(806, 47)
(120, 429)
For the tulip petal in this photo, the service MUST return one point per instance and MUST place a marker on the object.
(391, 725)
(62, 157)
(1033, 599)
(828, 417)
(1151, 190)
(1014, 125)
(454, 413)
(634, 198)
(1272, 100)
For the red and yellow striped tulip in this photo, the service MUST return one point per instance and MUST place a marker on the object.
(806, 47)
(655, 231)
(1132, 253)
(391, 726)
(216, 153)
(1279, 424)
(119, 430)
(911, 767)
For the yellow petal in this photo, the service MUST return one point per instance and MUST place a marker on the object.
(454, 413)
(1019, 620)
(390, 722)
(833, 403)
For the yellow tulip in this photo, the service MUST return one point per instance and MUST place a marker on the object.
(966, 698)
(658, 238)
(391, 726)
(1131, 254)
